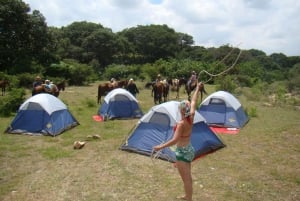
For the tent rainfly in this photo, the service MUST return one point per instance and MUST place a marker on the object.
(120, 104)
(222, 109)
(42, 114)
(156, 127)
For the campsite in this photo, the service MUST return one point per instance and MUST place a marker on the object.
(260, 162)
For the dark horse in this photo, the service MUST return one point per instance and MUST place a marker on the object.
(3, 84)
(157, 92)
(104, 88)
(61, 85)
(190, 87)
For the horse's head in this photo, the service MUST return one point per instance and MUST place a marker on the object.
(61, 85)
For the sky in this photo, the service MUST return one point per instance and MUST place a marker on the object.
(272, 26)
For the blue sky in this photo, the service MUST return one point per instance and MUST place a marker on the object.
(272, 26)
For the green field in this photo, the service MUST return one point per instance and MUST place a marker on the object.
(260, 163)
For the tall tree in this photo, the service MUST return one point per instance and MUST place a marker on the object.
(23, 37)
(101, 45)
(14, 36)
(153, 42)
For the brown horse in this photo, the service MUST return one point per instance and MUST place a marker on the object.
(61, 85)
(43, 89)
(3, 85)
(122, 83)
(157, 92)
(104, 88)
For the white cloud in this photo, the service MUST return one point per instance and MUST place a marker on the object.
(268, 25)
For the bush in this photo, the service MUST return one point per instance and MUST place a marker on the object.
(252, 112)
(226, 84)
(12, 101)
(26, 80)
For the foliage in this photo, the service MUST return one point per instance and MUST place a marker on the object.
(23, 37)
(12, 101)
(293, 83)
(80, 74)
(226, 83)
(116, 71)
(25, 80)
(251, 112)
(76, 73)
(153, 42)
(85, 51)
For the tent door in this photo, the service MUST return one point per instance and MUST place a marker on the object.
(124, 108)
(219, 108)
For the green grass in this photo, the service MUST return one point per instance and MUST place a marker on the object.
(260, 163)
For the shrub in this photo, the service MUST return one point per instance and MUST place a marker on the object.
(12, 101)
(252, 112)
(226, 84)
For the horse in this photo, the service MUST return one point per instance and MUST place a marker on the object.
(166, 90)
(122, 83)
(54, 90)
(176, 85)
(182, 81)
(61, 85)
(3, 84)
(157, 92)
(190, 87)
(149, 84)
(104, 88)
(202, 90)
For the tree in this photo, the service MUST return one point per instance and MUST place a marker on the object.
(14, 36)
(23, 37)
(78, 31)
(294, 78)
(101, 45)
(152, 42)
(280, 59)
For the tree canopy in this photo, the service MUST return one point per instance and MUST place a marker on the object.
(28, 45)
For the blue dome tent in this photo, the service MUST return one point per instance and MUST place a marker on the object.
(120, 104)
(42, 114)
(222, 109)
(156, 127)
